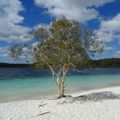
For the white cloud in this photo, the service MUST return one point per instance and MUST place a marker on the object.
(5, 57)
(10, 30)
(4, 52)
(108, 48)
(110, 29)
(42, 25)
(117, 54)
(81, 10)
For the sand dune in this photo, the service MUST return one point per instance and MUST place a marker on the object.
(102, 104)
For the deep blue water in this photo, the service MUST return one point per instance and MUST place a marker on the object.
(29, 83)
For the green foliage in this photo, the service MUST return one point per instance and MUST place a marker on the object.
(66, 42)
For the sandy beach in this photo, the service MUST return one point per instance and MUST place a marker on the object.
(102, 104)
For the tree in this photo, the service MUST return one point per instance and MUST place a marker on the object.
(61, 46)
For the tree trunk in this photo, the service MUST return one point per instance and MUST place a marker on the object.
(59, 80)
(61, 88)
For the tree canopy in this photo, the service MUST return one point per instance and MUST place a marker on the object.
(60, 46)
(64, 42)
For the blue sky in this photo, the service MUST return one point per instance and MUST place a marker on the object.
(18, 17)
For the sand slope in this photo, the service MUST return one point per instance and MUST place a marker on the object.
(103, 104)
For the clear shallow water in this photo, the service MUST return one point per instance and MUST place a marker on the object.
(20, 84)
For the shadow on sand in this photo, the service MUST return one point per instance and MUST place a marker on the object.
(97, 96)
(92, 97)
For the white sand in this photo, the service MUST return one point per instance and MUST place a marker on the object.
(102, 104)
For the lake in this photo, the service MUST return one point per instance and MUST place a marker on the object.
(29, 83)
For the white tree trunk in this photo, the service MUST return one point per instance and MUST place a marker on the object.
(60, 81)
(61, 88)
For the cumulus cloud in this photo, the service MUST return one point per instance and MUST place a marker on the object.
(10, 19)
(4, 52)
(117, 54)
(5, 57)
(81, 10)
(108, 48)
(109, 29)
(42, 25)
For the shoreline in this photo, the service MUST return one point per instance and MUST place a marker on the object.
(98, 104)
(55, 95)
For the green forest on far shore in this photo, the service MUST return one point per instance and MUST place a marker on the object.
(102, 63)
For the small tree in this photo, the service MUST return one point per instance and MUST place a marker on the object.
(62, 46)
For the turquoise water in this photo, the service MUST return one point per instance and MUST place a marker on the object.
(21, 88)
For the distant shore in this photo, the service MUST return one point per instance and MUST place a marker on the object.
(100, 104)
(100, 63)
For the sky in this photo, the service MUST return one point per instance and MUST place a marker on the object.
(18, 17)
